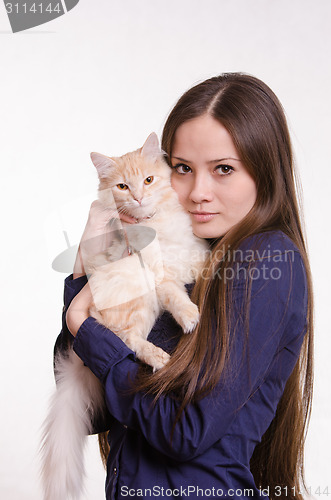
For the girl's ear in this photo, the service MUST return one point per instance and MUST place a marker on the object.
(103, 164)
(151, 148)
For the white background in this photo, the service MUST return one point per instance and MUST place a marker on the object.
(101, 78)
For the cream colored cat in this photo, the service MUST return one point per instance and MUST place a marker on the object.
(129, 292)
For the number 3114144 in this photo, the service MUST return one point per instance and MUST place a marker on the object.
(35, 8)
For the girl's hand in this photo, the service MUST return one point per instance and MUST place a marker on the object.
(96, 235)
(78, 311)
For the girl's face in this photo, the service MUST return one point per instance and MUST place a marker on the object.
(212, 183)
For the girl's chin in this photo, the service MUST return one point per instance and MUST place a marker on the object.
(208, 230)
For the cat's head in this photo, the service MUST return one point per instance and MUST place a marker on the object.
(137, 181)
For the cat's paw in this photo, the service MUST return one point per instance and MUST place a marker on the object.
(161, 358)
(116, 251)
(189, 318)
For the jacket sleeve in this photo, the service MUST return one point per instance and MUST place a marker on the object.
(71, 288)
(277, 324)
(65, 339)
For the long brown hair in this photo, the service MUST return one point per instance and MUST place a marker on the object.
(255, 119)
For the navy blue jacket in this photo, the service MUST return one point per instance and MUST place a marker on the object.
(214, 441)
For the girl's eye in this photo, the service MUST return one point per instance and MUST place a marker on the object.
(181, 168)
(149, 180)
(122, 187)
(224, 169)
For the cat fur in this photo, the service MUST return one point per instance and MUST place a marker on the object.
(176, 260)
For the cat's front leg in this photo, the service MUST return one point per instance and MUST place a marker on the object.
(146, 351)
(173, 297)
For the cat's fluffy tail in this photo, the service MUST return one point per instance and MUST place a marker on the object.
(78, 396)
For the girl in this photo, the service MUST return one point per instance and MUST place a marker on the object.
(227, 416)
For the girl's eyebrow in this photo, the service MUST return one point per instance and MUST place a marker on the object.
(223, 159)
(181, 159)
(211, 161)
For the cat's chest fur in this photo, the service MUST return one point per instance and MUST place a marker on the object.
(181, 253)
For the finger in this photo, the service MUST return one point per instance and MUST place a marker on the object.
(128, 218)
(101, 214)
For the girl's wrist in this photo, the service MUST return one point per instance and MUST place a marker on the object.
(78, 311)
(75, 320)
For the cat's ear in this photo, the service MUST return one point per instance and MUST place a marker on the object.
(103, 164)
(151, 148)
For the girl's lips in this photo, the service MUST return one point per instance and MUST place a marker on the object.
(203, 216)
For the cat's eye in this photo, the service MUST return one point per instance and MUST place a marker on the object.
(122, 187)
(149, 180)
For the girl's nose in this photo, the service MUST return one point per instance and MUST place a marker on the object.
(201, 189)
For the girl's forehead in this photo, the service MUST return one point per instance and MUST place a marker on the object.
(203, 138)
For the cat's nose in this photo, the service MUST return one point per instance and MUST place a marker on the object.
(138, 200)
